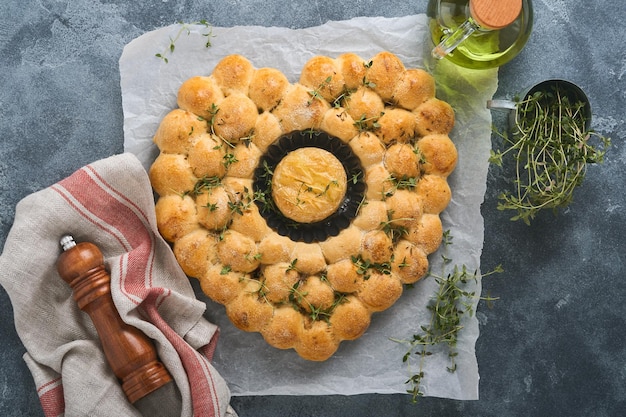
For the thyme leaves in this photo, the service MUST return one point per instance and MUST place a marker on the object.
(185, 28)
(550, 150)
(453, 300)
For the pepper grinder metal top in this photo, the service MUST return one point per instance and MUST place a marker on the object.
(67, 242)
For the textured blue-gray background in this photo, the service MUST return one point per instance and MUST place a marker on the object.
(555, 342)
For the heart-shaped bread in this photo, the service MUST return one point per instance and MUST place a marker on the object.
(305, 207)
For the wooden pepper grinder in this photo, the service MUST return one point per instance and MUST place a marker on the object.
(130, 353)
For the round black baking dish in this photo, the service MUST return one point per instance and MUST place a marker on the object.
(331, 225)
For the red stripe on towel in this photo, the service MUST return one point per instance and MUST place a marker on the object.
(208, 350)
(102, 205)
(51, 398)
(199, 373)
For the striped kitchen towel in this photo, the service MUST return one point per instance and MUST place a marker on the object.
(109, 203)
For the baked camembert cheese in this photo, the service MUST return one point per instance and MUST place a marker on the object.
(305, 207)
(309, 184)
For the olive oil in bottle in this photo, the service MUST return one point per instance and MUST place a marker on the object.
(463, 33)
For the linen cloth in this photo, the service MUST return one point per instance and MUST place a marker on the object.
(109, 203)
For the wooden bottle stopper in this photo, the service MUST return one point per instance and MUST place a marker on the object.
(495, 14)
(129, 352)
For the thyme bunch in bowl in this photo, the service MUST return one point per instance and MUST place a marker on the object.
(551, 147)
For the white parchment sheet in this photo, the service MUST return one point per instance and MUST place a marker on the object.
(372, 363)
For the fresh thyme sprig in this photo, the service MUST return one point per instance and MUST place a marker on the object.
(551, 148)
(213, 113)
(365, 267)
(451, 302)
(297, 298)
(393, 227)
(264, 196)
(403, 183)
(186, 28)
(365, 123)
(343, 98)
(228, 159)
(317, 93)
(206, 183)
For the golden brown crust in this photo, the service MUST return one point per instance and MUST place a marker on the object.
(308, 258)
(322, 78)
(439, 154)
(237, 252)
(372, 215)
(275, 248)
(344, 276)
(250, 223)
(402, 161)
(396, 125)
(240, 191)
(377, 246)
(434, 193)
(380, 291)
(235, 118)
(415, 87)
(279, 281)
(299, 110)
(283, 331)
(245, 157)
(434, 116)
(350, 319)
(221, 285)
(365, 107)
(379, 182)
(266, 130)
(338, 121)
(427, 233)
(195, 252)
(172, 174)
(267, 88)
(178, 131)
(177, 216)
(315, 295)
(212, 208)
(368, 148)
(233, 74)
(198, 95)
(342, 246)
(353, 69)
(317, 342)
(305, 296)
(385, 71)
(404, 209)
(247, 311)
(410, 263)
(206, 156)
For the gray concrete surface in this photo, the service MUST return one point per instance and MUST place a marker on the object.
(555, 342)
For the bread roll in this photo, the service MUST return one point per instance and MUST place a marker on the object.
(199, 95)
(267, 88)
(434, 116)
(233, 74)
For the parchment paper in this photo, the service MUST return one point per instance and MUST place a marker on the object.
(373, 363)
